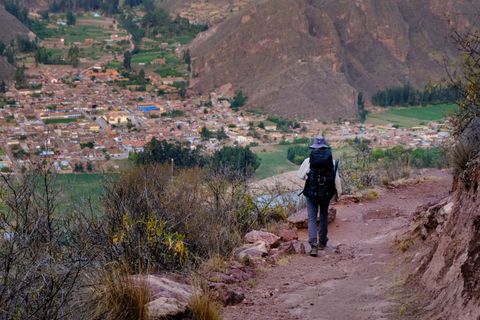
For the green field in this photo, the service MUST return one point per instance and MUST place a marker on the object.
(60, 120)
(411, 116)
(75, 190)
(274, 159)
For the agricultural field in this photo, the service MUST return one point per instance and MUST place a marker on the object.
(411, 116)
(274, 159)
(60, 120)
(78, 188)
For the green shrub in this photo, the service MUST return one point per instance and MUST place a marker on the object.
(296, 154)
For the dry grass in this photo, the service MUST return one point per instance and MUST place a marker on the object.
(403, 244)
(215, 264)
(202, 307)
(115, 295)
(371, 195)
(461, 154)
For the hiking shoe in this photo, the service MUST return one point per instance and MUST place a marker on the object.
(313, 252)
(321, 246)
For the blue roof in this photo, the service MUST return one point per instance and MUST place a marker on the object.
(147, 108)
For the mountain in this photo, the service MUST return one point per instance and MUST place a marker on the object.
(10, 27)
(310, 58)
(7, 71)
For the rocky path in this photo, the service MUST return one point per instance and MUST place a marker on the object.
(358, 277)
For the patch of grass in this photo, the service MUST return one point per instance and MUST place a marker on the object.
(78, 189)
(274, 159)
(59, 120)
(115, 295)
(202, 307)
(273, 162)
(411, 116)
(2, 152)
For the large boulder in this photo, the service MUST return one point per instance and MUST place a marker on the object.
(300, 220)
(270, 239)
(169, 296)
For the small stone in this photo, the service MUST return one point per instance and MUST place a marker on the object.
(230, 296)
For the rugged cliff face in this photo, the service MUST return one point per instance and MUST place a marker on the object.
(449, 261)
(309, 58)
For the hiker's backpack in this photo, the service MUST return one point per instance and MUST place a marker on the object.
(320, 184)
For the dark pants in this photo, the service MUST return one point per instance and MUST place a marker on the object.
(312, 210)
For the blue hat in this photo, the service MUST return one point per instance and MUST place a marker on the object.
(319, 142)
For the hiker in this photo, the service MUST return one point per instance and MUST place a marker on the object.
(322, 183)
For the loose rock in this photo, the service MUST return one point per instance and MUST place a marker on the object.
(169, 296)
(269, 238)
(252, 251)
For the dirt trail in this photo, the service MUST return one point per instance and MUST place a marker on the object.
(359, 277)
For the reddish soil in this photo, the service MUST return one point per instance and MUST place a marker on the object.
(360, 276)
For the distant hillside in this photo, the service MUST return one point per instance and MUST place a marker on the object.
(309, 58)
(7, 71)
(10, 27)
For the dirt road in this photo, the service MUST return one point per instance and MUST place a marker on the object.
(359, 277)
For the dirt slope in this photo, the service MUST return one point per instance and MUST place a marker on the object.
(308, 58)
(359, 280)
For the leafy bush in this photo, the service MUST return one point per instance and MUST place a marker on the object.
(297, 154)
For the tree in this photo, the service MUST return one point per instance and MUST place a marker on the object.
(187, 58)
(127, 60)
(89, 166)
(164, 151)
(20, 79)
(44, 15)
(71, 19)
(10, 55)
(78, 167)
(205, 133)
(3, 87)
(2, 48)
(362, 113)
(73, 56)
(141, 77)
(238, 100)
(239, 160)
(221, 135)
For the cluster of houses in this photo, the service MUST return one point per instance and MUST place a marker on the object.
(78, 117)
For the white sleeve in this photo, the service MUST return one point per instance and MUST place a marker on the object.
(304, 169)
(338, 182)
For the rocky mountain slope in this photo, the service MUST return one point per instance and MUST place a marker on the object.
(309, 58)
(10, 27)
(448, 263)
